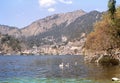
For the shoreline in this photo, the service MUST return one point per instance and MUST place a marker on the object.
(103, 59)
(40, 54)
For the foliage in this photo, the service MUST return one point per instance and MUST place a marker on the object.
(11, 42)
(106, 34)
(112, 9)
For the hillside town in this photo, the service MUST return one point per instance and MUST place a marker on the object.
(74, 47)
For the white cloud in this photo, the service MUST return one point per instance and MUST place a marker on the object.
(51, 9)
(50, 3)
(47, 3)
(66, 1)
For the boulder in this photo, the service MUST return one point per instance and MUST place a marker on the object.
(104, 59)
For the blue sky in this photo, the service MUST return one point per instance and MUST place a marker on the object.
(21, 13)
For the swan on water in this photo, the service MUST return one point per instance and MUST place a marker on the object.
(67, 65)
(62, 65)
(76, 63)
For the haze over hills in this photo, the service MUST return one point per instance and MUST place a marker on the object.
(52, 28)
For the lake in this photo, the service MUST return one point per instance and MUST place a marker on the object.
(54, 69)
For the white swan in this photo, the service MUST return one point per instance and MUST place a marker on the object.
(115, 79)
(76, 63)
(67, 65)
(61, 66)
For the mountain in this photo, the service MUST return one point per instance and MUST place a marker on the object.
(48, 23)
(13, 31)
(83, 24)
(53, 28)
(70, 29)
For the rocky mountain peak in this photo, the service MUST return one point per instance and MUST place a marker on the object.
(47, 23)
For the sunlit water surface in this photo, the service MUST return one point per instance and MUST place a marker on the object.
(54, 69)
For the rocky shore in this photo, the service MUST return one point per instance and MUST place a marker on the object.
(103, 59)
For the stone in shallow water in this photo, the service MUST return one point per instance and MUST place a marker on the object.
(103, 59)
(109, 60)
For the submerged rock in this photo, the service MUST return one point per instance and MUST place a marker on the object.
(104, 59)
(108, 59)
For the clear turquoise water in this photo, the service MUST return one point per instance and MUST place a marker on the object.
(46, 69)
(51, 80)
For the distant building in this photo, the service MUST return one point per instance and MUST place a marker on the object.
(64, 38)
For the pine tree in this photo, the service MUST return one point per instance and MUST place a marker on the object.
(112, 8)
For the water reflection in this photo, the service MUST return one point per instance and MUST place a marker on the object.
(59, 66)
(54, 67)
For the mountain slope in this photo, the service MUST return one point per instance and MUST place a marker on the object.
(82, 24)
(46, 24)
(14, 31)
(52, 29)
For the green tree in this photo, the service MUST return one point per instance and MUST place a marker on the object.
(11, 42)
(112, 8)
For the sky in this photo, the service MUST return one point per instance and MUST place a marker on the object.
(21, 13)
